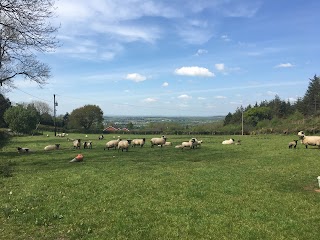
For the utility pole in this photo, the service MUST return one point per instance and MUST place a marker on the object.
(54, 114)
(241, 120)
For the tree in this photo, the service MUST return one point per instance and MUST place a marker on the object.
(24, 30)
(42, 107)
(86, 117)
(311, 99)
(4, 105)
(256, 114)
(21, 119)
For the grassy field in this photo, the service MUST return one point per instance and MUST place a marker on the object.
(257, 190)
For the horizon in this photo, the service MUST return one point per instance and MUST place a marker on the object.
(177, 58)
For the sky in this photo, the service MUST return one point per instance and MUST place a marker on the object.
(178, 57)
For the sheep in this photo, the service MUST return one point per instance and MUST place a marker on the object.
(168, 144)
(112, 144)
(23, 150)
(124, 144)
(52, 147)
(101, 137)
(309, 140)
(158, 141)
(87, 144)
(293, 144)
(138, 142)
(230, 141)
(196, 142)
(77, 143)
(189, 144)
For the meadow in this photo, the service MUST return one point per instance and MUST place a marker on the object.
(257, 190)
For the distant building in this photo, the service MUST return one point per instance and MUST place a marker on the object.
(112, 129)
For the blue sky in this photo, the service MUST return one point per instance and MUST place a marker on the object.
(178, 57)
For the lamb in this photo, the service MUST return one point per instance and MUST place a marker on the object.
(189, 144)
(158, 141)
(77, 143)
(101, 137)
(168, 144)
(87, 144)
(52, 147)
(112, 144)
(23, 150)
(230, 141)
(138, 142)
(309, 140)
(293, 144)
(124, 144)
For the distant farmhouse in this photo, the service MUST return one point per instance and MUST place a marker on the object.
(112, 129)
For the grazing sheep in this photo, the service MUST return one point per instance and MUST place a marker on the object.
(77, 143)
(309, 140)
(87, 144)
(23, 150)
(230, 141)
(293, 144)
(189, 144)
(52, 147)
(112, 144)
(138, 142)
(124, 144)
(158, 141)
(101, 137)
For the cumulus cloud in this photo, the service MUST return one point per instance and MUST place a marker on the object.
(284, 65)
(165, 84)
(194, 72)
(184, 97)
(136, 77)
(220, 66)
(149, 100)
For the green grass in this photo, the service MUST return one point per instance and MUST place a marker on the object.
(257, 190)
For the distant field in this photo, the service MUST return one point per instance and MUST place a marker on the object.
(257, 190)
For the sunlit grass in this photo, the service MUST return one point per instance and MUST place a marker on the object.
(257, 190)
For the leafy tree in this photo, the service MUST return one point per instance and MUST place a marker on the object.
(311, 99)
(86, 117)
(21, 119)
(254, 115)
(24, 30)
(42, 107)
(4, 105)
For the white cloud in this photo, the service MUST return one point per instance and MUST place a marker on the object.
(284, 65)
(225, 38)
(201, 52)
(184, 97)
(201, 98)
(194, 72)
(165, 84)
(136, 77)
(220, 97)
(149, 100)
(220, 66)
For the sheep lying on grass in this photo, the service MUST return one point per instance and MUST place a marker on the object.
(52, 147)
(112, 144)
(293, 144)
(124, 145)
(101, 137)
(23, 150)
(189, 144)
(138, 142)
(197, 143)
(158, 141)
(309, 140)
(230, 141)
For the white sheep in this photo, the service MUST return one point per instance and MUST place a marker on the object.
(52, 147)
(124, 144)
(101, 137)
(138, 142)
(168, 144)
(112, 144)
(293, 144)
(197, 143)
(158, 141)
(309, 140)
(23, 150)
(230, 141)
(190, 144)
(77, 143)
(87, 144)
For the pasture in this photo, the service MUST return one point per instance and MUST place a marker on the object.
(257, 190)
